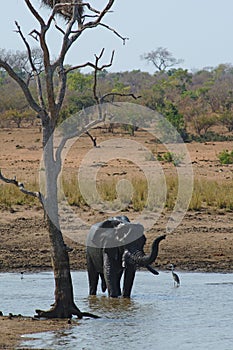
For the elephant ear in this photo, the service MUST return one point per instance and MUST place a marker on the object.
(128, 233)
(103, 234)
(114, 232)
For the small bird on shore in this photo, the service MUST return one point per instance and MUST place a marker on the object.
(175, 277)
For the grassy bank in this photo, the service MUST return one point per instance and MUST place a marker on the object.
(134, 196)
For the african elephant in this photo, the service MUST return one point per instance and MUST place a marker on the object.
(115, 246)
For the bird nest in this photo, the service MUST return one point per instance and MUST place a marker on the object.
(65, 11)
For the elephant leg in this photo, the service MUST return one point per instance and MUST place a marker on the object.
(93, 276)
(103, 283)
(112, 276)
(118, 281)
(113, 284)
(129, 275)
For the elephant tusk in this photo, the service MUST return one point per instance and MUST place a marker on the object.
(149, 268)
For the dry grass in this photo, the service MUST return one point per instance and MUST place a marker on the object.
(10, 195)
(210, 194)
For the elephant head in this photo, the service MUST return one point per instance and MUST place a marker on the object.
(121, 243)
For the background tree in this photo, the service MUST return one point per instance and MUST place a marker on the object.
(203, 122)
(47, 106)
(14, 110)
(18, 116)
(20, 63)
(226, 119)
(176, 119)
(79, 93)
(161, 58)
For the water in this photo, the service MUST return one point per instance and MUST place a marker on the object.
(197, 315)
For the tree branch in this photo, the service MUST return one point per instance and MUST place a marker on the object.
(21, 187)
(34, 70)
(49, 69)
(93, 65)
(35, 13)
(33, 104)
(96, 68)
(115, 32)
(90, 7)
(113, 94)
(27, 47)
(100, 17)
(93, 139)
(75, 133)
(69, 40)
(61, 88)
(59, 29)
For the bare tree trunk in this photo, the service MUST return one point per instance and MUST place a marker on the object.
(64, 306)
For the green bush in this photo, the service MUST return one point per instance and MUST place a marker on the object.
(226, 157)
(170, 157)
(210, 136)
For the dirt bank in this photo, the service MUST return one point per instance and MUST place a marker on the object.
(203, 241)
(12, 328)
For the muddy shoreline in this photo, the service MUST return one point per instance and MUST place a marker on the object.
(202, 242)
(13, 328)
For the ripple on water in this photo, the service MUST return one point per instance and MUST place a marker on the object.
(197, 315)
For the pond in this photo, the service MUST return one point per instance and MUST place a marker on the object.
(197, 315)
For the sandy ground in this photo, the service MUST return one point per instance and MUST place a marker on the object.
(12, 328)
(202, 242)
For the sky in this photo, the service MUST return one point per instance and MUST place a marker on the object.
(198, 31)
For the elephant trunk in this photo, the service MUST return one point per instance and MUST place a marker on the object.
(142, 259)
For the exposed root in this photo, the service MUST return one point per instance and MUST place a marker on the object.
(60, 312)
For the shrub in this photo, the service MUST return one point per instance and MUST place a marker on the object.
(226, 157)
(170, 157)
(210, 136)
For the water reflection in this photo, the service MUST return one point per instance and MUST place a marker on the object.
(118, 307)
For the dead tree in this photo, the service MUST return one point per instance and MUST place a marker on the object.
(47, 106)
(161, 58)
(93, 139)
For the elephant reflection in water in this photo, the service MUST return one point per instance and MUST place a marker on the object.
(115, 246)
